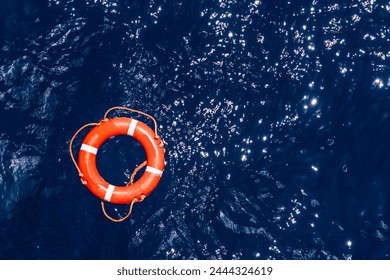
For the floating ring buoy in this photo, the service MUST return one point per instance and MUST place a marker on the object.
(105, 129)
(154, 158)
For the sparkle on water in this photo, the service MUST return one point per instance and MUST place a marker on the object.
(256, 101)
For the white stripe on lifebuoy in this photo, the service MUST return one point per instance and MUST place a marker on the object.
(154, 170)
(109, 192)
(132, 126)
(89, 149)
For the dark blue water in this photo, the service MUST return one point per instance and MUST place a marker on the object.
(275, 116)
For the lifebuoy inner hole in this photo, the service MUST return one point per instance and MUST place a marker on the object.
(118, 157)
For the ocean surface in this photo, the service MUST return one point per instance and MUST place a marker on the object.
(275, 116)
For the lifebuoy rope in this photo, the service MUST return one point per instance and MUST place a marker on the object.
(138, 112)
(135, 170)
(71, 150)
(128, 213)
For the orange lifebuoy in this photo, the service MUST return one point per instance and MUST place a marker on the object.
(155, 160)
